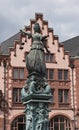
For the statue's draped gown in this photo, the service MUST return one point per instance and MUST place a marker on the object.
(35, 60)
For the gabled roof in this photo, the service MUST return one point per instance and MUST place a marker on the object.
(4, 46)
(72, 45)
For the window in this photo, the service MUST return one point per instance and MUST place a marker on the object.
(62, 74)
(18, 123)
(63, 95)
(65, 74)
(15, 73)
(52, 91)
(50, 74)
(16, 95)
(49, 57)
(59, 123)
(18, 73)
(21, 73)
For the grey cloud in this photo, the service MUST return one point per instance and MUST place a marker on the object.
(62, 16)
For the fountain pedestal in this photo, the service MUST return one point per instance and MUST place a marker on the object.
(36, 95)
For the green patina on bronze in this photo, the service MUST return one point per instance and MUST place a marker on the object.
(36, 93)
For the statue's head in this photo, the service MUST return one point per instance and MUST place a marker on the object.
(37, 28)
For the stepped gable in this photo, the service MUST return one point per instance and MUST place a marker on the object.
(10, 44)
(72, 45)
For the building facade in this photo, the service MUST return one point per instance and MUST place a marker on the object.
(59, 75)
(72, 45)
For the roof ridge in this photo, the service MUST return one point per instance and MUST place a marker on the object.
(9, 38)
(70, 39)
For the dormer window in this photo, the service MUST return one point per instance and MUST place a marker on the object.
(49, 58)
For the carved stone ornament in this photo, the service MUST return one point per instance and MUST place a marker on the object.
(36, 93)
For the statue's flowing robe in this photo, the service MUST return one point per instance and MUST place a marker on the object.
(35, 60)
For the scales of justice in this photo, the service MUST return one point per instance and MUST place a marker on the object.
(36, 93)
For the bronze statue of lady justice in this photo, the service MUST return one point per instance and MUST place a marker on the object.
(35, 60)
(36, 90)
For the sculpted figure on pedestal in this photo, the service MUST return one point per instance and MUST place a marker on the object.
(35, 60)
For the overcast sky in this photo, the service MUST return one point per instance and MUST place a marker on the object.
(62, 16)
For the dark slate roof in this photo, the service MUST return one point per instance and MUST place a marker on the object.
(72, 45)
(4, 50)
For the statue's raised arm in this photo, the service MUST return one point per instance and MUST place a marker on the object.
(26, 33)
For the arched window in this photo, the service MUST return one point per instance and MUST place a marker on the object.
(18, 123)
(60, 123)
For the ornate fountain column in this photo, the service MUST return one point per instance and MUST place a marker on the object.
(36, 93)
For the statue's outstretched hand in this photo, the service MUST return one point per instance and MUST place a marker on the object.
(26, 33)
(22, 32)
